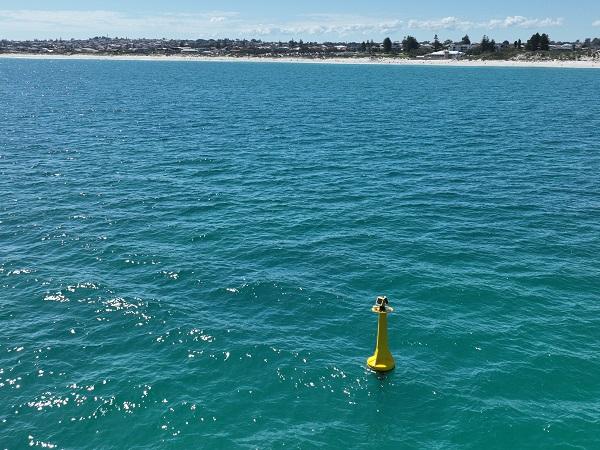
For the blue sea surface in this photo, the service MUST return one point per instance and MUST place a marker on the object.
(189, 252)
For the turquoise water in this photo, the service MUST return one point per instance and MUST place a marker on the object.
(189, 253)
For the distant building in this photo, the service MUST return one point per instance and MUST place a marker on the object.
(444, 54)
(460, 47)
(562, 47)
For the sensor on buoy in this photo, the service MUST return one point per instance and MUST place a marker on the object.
(382, 360)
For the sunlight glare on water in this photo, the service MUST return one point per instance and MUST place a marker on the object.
(189, 253)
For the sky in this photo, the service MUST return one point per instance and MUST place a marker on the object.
(309, 20)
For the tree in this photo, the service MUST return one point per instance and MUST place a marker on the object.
(303, 46)
(465, 40)
(486, 45)
(544, 42)
(485, 41)
(436, 43)
(533, 43)
(363, 47)
(387, 45)
(409, 43)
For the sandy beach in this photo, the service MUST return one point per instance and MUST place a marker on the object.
(582, 64)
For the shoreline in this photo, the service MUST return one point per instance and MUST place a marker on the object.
(589, 64)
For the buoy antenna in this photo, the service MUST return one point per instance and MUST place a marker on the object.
(381, 303)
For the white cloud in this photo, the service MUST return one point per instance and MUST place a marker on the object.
(596, 23)
(455, 23)
(23, 24)
(523, 22)
(328, 25)
(446, 23)
(39, 23)
(72, 23)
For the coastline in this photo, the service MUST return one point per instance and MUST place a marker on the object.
(589, 64)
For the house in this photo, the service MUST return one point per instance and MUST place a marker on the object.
(460, 47)
(444, 54)
(562, 47)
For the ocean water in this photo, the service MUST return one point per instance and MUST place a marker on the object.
(189, 253)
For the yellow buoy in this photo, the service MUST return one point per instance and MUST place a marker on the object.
(382, 360)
